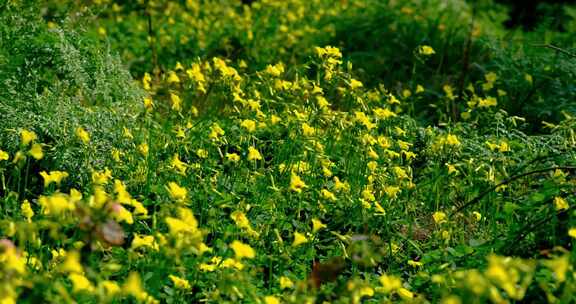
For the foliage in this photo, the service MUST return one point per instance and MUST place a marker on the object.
(278, 168)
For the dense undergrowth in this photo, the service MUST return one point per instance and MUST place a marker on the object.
(285, 151)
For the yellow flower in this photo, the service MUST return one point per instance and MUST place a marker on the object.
(392, 191)
(56, 204)
(26, 210)
(327, 195)
(110, 288)
(148, 103)
(477, 216)
(4, 155)
(560, 266)
(242, 222)
(121, 214)
(439, 217)
(275, 70)
(296, 183)
(80, 283)
(572, 232)
(143, 148)
(146, 81)
(355, 84)
(307, 130)
(317, 225)
(83, 135)
(560, 203)
(383, 113)
(233, 157)
(254, 154)
(242, 250)
(419, 89)
(101, 177)
(426, 50)
(202, 153)
(299, 239)
(271, 300)
(36, 151)
(27, 137)
(405, 294)
(72, 263)
(176, 192)
(286, 283)
(179, 282)
(144, 241)
(133, 287)
(173, 77)
(487, 102)
(390, 283)
(179, 165)
(53, 177)
(176, 102)
(249, 125)
(452, 140)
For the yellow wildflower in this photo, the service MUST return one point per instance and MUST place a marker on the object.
(179, 282)
(4, 155)
(271, 300)
(426, 50)
(27, 137)
(233, 157)
(53, 177)
(176, 192)
(296, 183)
(327, 195)
(26, 210)
(144, 241)
(439, 217)
(36, 151)
(249, 125)
(242, 250)
(572, 232)
(355, 84)
(80, 283)
(560, 203)
(390, 283)
(317, 225)
(254, 154)
(286, 283)
(452, 140)
(83, 135)
(176, 102)
(72, 263)
(110, 288)
(299, 239)
(56, 204)
(173, 77)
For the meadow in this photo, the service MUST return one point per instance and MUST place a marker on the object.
(319, 151)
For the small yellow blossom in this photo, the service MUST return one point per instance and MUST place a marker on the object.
(249, 125)
(179, 282)
(296, 183)
(83, 135)
(4, 155)
(271, 300)
(176, 102)
(317, 225)
(140, 241)
(560, 203)
(254, 154)
(439, 217)
(36, 151)
(299, 239)
(426, 50)
(452, 140)
(26, 210)
(53, 177)
(233, 157)
(80, 283)
(176, 192)
(286, 283)
(242, 250)
(572, 232)
(27, 137)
